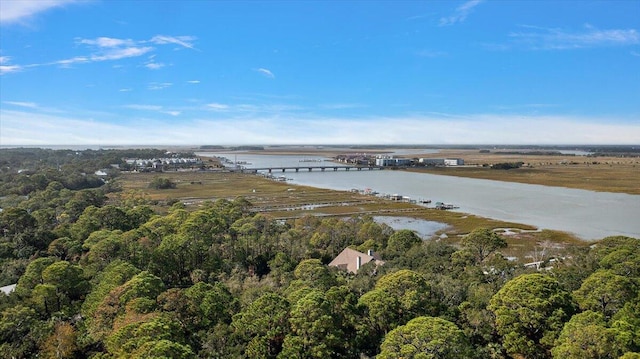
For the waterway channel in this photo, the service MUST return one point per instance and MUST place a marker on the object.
(587, 214)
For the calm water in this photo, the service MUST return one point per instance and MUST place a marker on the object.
(590, 215)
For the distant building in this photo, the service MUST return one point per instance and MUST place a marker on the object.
(453, 162)
(351, 260)
(432, 161)
(441, 161)
(388, 161)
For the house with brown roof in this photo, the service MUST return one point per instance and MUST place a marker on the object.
(351, 260)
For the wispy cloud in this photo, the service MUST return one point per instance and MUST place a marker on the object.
(184, 41)
(106, 42)
(159, 85)
(19, 11)
(153, 108)
(21, 104)
(108, 49)
(460, 14)
(6, 68)
(193, 81)
(217, 106)
(540, 38)
(125, 90)
(154, 65)
(266, 72)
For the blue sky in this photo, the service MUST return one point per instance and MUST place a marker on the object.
(322, 72)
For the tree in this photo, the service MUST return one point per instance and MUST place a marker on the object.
(115, 274)
(530, 311)
(400, 242)
(139, 338)
(426, 337)
(397, 298)
(143, 285)
(163, 349)
(313, 331)
(33, 274)
(312, 273)
(162, 183)
(605, 292)
(20, 331)
(586, 336)
(482, 242)
(263, 325)
(62, 343)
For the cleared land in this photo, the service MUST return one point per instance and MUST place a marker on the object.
(285, 201)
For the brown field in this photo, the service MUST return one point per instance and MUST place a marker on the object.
(603, 174)
(285, 201)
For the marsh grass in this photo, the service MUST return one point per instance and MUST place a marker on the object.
(604, 174)
(281, 200)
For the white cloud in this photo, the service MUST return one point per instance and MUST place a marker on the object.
(193, 81)
(106, 42)
(461, 13)
(159, 85)
(122, 53)
(73, 60)
(153, 108)
(154, 65)
(107, 49)
(217, 106)
(12, 11)
(266, 72)
(22, 104)
(6, 69)
(125, 90)
(184, 41)
(539, 38)
(33, 128)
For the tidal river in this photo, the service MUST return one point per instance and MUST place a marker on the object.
(589, 215)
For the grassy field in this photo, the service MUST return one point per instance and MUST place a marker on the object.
(285, 201)
(604, 174)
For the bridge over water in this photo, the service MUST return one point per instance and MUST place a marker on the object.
(308, 168)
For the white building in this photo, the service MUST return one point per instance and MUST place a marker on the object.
(453, 162)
